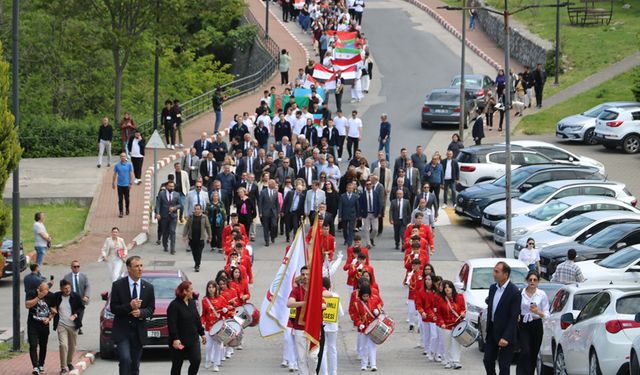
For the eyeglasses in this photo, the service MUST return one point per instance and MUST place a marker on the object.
(75, 266)
(531, 244)
(532, 280)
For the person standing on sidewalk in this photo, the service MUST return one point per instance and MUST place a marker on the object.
(42, 238)
(123, 173)
(168, 123)
(283, 64)
(451, 177)
(477, 132)
(196, 232)
(217, 100)
(40, 303)
(105, 136)
(127, 127)
(68, 322)
(79, 284)
(176, 113)
(136, 152)
(167, 216)
(354, 133)
(539, 78)
(384, 138)
(183, 321)
(182, 188)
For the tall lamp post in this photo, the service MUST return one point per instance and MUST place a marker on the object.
(156, 93)
(15, 250)
(463, 102)
(266, 21)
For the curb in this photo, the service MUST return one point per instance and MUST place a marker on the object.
(454, 31)
(86, 361)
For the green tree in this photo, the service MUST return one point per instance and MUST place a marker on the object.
(9, 147)
(636, 85)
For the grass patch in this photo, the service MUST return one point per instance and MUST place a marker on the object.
(7, 353)
(63, 222)
(616, 89)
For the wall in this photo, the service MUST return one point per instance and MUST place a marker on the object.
(250, 60)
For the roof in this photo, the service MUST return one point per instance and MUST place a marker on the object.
(543, 166)
(564, 183)
(491, 262)
(587, 199)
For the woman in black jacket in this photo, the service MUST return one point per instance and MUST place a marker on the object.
(332, 199)
(185, 326)
(245, 208)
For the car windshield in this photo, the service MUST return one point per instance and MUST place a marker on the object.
(443, 97)
(621, 259)
(164, 287)
(595, 111)
(606, 237)
(482, 277)
(548, 211)
(580, 300)
(572, 226)
(517, 178)
(628, 305)
(469, 82)
(538, 194)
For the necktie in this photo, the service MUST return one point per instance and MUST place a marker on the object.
(198, 195)
(348, 195)
(309, 176)
(210, 168)
(75, 282)
(314, 200)
(286, 172)
(249, 165)
(370, 202)
(134, 294)
(190, 161)
(409, 177)
(202, 145)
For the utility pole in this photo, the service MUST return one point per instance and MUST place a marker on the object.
(507, 118)
(557, 75)
(156, 84)
(463, 117)
(15, 250)
(266, 21)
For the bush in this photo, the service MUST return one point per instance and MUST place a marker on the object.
(50, 137)
(635, 89)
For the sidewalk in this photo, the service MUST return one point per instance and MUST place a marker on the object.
(21, 364)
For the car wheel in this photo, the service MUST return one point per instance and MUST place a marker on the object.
(107, 351)
(559, 367)
(631, 144)
(541, 369)
(594, 366)
(589, 138)
(634, 363)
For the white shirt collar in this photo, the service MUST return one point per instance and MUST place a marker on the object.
(503, 285)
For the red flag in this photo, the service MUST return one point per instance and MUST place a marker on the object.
(313, 307)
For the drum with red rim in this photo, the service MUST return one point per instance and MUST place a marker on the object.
(222, 331)
(380, 329)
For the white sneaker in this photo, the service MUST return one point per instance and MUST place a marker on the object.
(448, 365)
(363, 368)
(438, 358)
(239, 346)
(228, 355)
(284, 364)
(444, 206)
(207, 365)
(457, 366)
(173, 147)
(374, 369)
(429, 357)
(181, 145)
(215, 368)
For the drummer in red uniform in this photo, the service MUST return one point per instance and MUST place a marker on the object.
(425, 231)
(363, 311)
(232, 299)
(241, 261)
(413, 281)
(214, 309)
(240, 284)
(306, 361)
(425, 304)
(451, 310)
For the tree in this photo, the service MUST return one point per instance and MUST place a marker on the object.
(10, 150)
(636, 85)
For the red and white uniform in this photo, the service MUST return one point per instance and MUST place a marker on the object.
(414, 282)
(242, 287)
(362, 314)
(355, 272)
(226, 233)
(425, 304)
(424, 259)
(212, 312)
(351, 256)
(449, 313)
(425, 233)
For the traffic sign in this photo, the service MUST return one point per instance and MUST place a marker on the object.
(155, 141)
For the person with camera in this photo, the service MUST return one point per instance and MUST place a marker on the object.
(534, 306)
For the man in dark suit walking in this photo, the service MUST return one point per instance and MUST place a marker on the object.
(503, 309)
(293, 208)
(133, 301)
(348, 209)
(166, 214)
(79, 284)
(399, 215)
(451, 177)
(269, 209)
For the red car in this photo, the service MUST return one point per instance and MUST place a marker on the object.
(164, 285)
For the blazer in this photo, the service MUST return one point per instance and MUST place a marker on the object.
(84, 288)
(243, 165)
(397, 165)
(288, 149)
(184, 180)
(195, 162)
(287, 204)
(348, 208)
(192, 200)
(455, 169)
(280, 175)
(431, 202)
(387, 178)
(205, 228)
(164, 204)
(253, 193)
(394, 211)
(77, 308)
(308, 202)
(504, 324)
(184, 323)
(268, 206)
(415, 181)
(120, 306)
(204, 172)
(141, 144)
(201, 145)
(302, 173)
(377, 208)
(294, 163)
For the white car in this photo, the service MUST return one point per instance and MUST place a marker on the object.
(542, 194)
(581, 127)
(560, 154)
(476, 276)
(569, 299)
(577, 229)
(598, 340)
(619, 127)
(634, 355)
(623, 265)
(556, 212)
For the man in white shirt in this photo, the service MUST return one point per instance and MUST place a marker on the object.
(340, 123)
(354, 130)
(196, 196)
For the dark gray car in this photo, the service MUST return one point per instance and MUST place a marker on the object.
(442, 106)
(477, 85)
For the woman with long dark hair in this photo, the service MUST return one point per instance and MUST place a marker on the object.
(214, 309)
(217, 217)
(425, 304)
(185, 326)
(245, 208)
(534, 306)
(451, 310)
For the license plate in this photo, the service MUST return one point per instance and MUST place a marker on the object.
(441, 111)
(458, 209)
(153, 334)
(543, 269)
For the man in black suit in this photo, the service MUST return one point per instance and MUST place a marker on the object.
(246, 162)
(399, 215)
(167, 216)
(348, 209)
(133, 301)
(503, 309)
(269, 209)
(258, 163)
(253, 193)
(208, 170)
(202, 144)
(293, 208)
(400, 163)
(451, 177)
(297, 163)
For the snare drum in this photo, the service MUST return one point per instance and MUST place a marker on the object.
(253, 313)
(465, 334)
(222, 332)
(237, 329)
(380, 329)
(243, 317)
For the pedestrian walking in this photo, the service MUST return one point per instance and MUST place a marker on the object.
(539, 79)
(136, 152)
(477, 132)
(425, 305)
(105, 136)
(197, 232)
(79, 282)
(217, 100)
(370, 210)
(283, 65)
(338, 92)
(329, 365)
(533, 308)
(185, 330)
(530, 255)
(176, 113)
(451, 178)
(434, 175)
(306, 359)
(384, 137)
(473, 15)
(348, 209)
(122, 179)
(68, 322)
(182, 189)
(269, 211)
(217, 218)
(527, 76)
(568, 272)
(363, 311)
(40, 303)
(42, 237)
(489, 109)
(167, 216)
(168, 123)
(33, 280)
(450, 310)
(399, 216)
(354, 133)
(214, 309)
(127, 127)
(114, 252)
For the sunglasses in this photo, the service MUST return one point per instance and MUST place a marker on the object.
(532, 280)
(75, 266)
(531, 243)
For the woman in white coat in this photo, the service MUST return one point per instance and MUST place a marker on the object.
(114, 252)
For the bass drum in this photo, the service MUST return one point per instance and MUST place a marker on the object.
(465, 334)
(380, 329)
(254, 313)
(223, 332)
(243, 316)
(237, 329)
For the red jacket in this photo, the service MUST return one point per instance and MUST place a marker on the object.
(232, 298)
(363, 312)
(407, 246)
(449, 314)
(426, 303)
(425, 233)
(415, 284)
(245, 265)
(209, 315)
(351, 257)
(242, 287)
(424, 259)
(353, 275)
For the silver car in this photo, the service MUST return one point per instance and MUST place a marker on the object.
(581, 127)
(443, 106)
(542, 194)
(577, 229)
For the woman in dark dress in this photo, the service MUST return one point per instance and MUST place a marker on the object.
(185, 326)
(217, 218)
(245, 208)
(332, 199)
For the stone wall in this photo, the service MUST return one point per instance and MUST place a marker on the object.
(250, 60)
(526, 47)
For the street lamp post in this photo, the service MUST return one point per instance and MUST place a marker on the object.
(556, 78)
(156, 93)
(266, 21)
(463, 103)
(15, 250)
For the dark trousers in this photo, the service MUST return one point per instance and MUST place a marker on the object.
(170, 134)
(352, 145)
(478, 141)
(398, 225)
(168, 230)
(123, 195)
(538, 90)
(285, 12)
(380, 224)
(501, 120)
(284, 78)
(216, 237)
(339, 102)
(38, 335)
(340, 143)
(435, 189)
(191, 353)
(322, 53)
(137, 166)
(196, 250)
(492, 352)
(529, 338)
(129, 353)
(358, 17)
(450, 186)
(489, 117)
(347, 230)
(269, 227)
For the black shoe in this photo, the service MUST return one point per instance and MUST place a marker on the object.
(166, 250)
(373, 243)
(98, 165)
(127, 212)
(70, 367)
(288, 239)
(173, 252)
(411, 328)
(188, 250)
(266, 244)
(158, 242)
(80, 333)
(397, 246)
(120, 215)
(197, 269)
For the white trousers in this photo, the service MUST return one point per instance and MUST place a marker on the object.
(412, 313)
(214, 350)
(452, 348)
(329, 365)
(527, 101)
(368, 351)
(369, 223)
(429, 333)
(101, 148)
(306, 361)
(114, 267)
(439, 349)
(289, 348)
(365, 82)
(360, 345)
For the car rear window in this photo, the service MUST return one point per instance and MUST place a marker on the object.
(443, 97)
(580, 300)
(608, 115)
(468, 82)
(628, 305)
(465, 157)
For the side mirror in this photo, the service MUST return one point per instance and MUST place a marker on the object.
(566, 320)
(525, 187)
(104, 296)
(458, 285)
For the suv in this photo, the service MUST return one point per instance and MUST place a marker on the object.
(477, 85)
(581, 127)
(472, 201)
(6, 247)
(560, 154)
(619, 127)
(486, 162)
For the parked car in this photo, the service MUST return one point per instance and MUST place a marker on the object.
(443, 106)
(487, 162)
(598, 246)
(478, 85)
(556, 212)
(560, 154)
(472, 201)
(164, 285)
(634, 355)
(577, 229)
(476, 276)
(542, 194)
(619, 127)
(581, 127)
(6, 247)
(569, 299)
(598, 340)
(623, 265)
